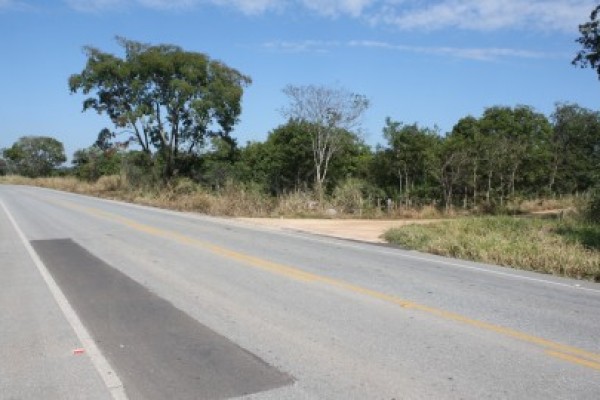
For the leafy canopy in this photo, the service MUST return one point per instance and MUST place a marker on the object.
(168, 99)
(35, 156)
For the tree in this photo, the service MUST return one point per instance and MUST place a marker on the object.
(466, 131)
(413, 153)
(169, 99)
(513, 141)
(575, 148)
(284, 162)
(452, 157)
(589, 55)
(329, 114)
(3, 164)
(35, 156)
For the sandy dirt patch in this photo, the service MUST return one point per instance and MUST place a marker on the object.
(356, 229)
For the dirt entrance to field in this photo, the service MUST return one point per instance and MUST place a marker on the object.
(356, 229)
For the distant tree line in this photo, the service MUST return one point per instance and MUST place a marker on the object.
(173, 113)
(507, 153)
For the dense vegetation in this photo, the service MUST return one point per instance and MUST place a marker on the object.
(173, 114)
(506, 156)
(171, 144)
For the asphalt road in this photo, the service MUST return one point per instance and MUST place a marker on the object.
(104, 300)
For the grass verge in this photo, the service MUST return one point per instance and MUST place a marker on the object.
(564, 248)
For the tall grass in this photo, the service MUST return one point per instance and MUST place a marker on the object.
(545, 245)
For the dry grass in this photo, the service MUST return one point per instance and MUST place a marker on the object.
(537, 205)
(532, 244)
(425, 212)
(183, 195)
(245, 200)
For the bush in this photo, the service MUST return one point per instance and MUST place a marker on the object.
(348, 196)
(355, 195)
(592, 208)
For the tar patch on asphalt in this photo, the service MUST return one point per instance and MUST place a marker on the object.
(158, 351)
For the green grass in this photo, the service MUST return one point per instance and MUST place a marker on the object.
(564, 248)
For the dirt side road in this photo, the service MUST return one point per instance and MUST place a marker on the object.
(357, 229)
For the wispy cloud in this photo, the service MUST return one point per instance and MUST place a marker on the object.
(415, 15)
(97, 5)
(244, 6)
(484, 15)
(15, 5)
(478, 54)
(304, 46)
(354, 8)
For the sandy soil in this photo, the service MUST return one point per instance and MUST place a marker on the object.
(357, 229)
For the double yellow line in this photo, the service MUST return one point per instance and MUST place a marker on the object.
(554, 349)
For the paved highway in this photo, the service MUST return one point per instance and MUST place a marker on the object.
(102, 300)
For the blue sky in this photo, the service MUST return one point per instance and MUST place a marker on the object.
(425, 61)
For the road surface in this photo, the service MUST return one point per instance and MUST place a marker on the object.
(102, 300)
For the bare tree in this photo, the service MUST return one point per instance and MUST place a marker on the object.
(329, 114)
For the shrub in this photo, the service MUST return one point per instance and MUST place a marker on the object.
(592, 208)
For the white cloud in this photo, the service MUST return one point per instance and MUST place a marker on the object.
(478, 54)
(97, 5)
(354, 8)
(251, 6)
(14, 5)
(415, 15)
(485, 15)
(471, 53)
(167, 4)
(245, 6)
(304, 46)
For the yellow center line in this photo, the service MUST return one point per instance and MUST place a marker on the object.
(575, 360)
(558, 350)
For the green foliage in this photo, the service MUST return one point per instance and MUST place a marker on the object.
(588, 234)
(35, 156)
(356, 195)
(589, 55)
(592, 208)
(169, 98)
(284, 162)
(410, 161)
(142, 170)
(575, 148)
(515, 141)
(217, 165)
(330, 116)
(92, 163)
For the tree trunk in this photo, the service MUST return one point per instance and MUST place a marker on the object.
(489, 187)
(474, 185)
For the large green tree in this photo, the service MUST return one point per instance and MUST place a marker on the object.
(575, 161)
(169, 99)
(413, 157)
(515, 141)
(35, 156)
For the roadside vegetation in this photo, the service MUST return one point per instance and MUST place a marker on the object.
(560, 247)
(170, 143)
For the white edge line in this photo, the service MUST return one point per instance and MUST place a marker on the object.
(343, 242)
(105, 370)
